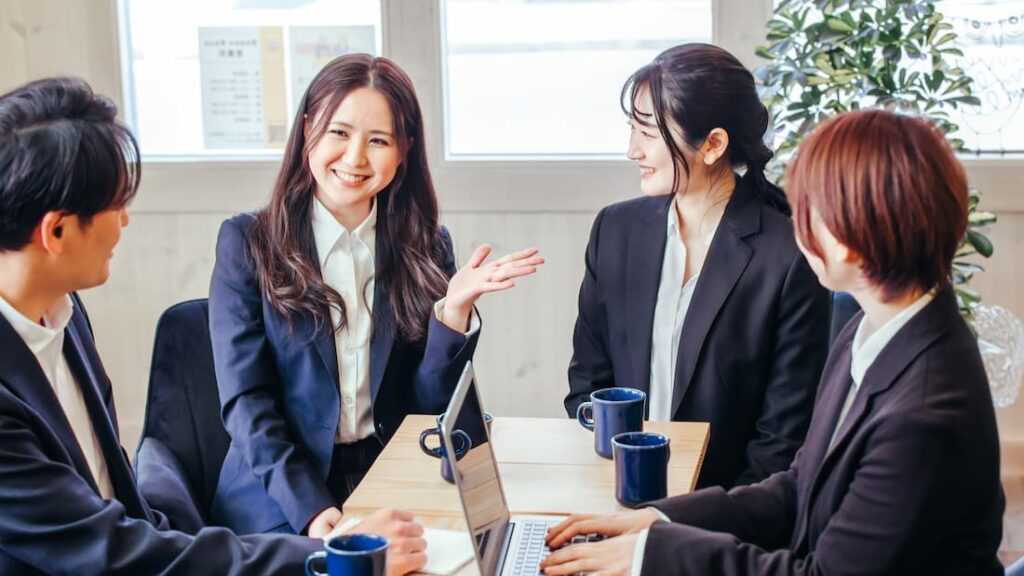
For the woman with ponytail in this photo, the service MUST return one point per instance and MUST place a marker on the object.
(697, 293)
(337, 309)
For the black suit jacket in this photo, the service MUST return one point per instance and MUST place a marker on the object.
(279, 388)
(753, 342)
(52, 519)
(911, 485)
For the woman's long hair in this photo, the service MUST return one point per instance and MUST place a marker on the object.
(410, 255)
(701, 87)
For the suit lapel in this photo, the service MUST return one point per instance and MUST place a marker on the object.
(121, 477)
(646, 252)
(833, 394)
(906, 345)
(25, 378)
(726, 260)
(383, 331)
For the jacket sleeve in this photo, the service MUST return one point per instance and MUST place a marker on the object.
(52, 520)
(591, 367)
(902, 479)
(250, 386)
(799, 352)
(762, 514)
(446, 351)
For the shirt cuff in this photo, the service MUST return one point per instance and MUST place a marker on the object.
(664, 518)
(474, 319)
(638, 552)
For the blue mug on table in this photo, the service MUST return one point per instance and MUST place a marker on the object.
(462, 443)
(612, 411)
(641, 467)
(351, 555)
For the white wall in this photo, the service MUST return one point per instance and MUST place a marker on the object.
(166, 254)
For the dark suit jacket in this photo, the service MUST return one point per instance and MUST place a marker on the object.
(52, 519)
(279, 390)
(753, 342)
(911, 485)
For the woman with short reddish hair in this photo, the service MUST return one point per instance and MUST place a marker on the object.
(900, 470)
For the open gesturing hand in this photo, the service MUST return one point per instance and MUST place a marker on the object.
(477, 278)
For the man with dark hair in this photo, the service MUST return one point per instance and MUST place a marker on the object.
(68, 498)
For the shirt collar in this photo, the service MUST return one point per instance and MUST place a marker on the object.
(866, 350)
(37, 336)
(327, 230)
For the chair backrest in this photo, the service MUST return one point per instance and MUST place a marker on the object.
(843, 308)
(182, 406)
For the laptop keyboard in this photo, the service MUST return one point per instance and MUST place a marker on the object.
(532, 549)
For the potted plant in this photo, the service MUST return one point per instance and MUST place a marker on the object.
(832, 56)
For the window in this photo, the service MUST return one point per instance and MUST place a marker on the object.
(542, 78)
(223, 77)
(991, 35)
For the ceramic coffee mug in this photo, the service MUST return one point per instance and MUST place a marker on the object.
(641, 467)
(351, 555)
(612, 411)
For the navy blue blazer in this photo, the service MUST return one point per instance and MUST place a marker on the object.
(911, 485)
(753, 342)
(279, 390)
(52, 518)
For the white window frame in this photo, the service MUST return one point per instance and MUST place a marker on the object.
(412, 37)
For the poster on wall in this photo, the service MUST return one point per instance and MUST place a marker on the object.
(312, 47)
(243, 87)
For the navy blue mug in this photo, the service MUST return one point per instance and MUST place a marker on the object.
(351, 555)
(641, 467)
(612, 411)
(462, 443)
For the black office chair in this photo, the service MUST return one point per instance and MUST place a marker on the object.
(843, 308)
(183, 439)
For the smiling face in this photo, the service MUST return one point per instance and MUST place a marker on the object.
(650, 151)
(357, 156)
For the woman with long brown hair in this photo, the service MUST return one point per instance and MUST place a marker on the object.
(337, 309)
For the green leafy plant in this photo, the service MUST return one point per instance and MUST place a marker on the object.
(832, 56)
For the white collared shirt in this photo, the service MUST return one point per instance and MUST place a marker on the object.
(669, 314)
(864, 351)
(46, 342)
(347, 264)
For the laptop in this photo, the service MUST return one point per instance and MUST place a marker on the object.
(504, 545)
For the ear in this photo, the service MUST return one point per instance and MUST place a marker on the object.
(52, 232)
(846, 255)
(714, 146)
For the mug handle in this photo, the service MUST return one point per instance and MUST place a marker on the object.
(435, 452)
(321, 555)
(464, 444)
(584, 420)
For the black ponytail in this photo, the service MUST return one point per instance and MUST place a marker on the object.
(701, 87)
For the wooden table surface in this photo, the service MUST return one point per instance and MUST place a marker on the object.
(547, 466)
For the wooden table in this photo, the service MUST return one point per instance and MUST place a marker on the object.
(547, 465)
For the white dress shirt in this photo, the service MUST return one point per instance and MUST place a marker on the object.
(669, 313)
(46, 341)
(864, 353)
(348, 265)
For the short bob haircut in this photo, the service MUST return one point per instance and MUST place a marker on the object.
(61, 150)
(888, 186)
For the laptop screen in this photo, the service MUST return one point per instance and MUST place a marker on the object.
(476, 472)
